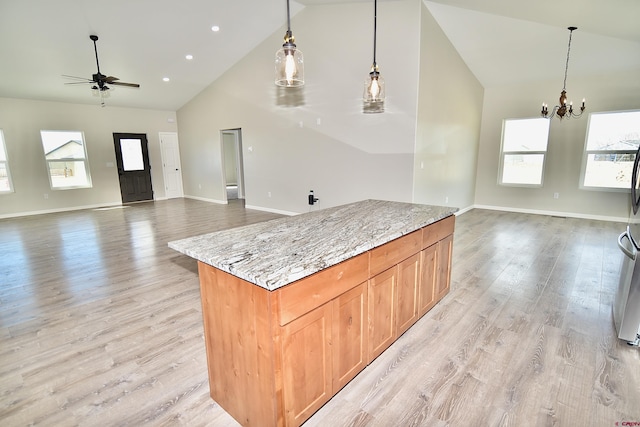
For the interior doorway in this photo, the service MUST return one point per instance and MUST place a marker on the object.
(232, 163)
(134, 169)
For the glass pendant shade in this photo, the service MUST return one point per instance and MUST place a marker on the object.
(374, 88)
(289, 66)
(374, 91)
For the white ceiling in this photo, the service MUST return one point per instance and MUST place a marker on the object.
(142, 41)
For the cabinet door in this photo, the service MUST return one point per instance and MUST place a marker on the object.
(428, 279)
(382, 311)
(445, 248)
(407, 306)
(350, 335)
(306, 364)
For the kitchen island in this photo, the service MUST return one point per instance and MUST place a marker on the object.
(294, 308)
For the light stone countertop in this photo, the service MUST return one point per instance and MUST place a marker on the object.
(274, 253)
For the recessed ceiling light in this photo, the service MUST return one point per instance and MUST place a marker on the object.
(189, 57)
(215, 28)
(165, 79)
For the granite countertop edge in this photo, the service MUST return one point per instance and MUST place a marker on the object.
(275, 253)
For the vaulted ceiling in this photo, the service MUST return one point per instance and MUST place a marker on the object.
(143, 41)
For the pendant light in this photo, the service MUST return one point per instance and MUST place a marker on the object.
(289, 61)
(563, 110)
(374, 84)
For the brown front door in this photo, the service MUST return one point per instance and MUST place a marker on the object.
(134, 170)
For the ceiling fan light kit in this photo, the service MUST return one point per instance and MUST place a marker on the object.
(99, 81)
(562, 110)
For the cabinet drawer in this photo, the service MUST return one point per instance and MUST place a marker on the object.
(304, 295)
(392, 253)
(437, 231)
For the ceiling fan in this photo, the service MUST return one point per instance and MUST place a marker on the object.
(99, 80)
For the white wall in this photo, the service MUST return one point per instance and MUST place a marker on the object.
(608, 92)
(22, 121)
(315, 138)
(448, 126)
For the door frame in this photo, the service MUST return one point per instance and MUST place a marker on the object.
(146, 172)
(237, 134)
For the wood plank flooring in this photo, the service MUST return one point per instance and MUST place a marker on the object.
(100, 324)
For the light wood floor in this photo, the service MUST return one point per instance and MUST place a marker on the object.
(100, 324)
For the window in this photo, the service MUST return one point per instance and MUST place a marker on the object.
(524, 148)
(610, 149)
(5, 176)
(66, 157)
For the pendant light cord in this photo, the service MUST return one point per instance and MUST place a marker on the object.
(288, 20)
(375, 19)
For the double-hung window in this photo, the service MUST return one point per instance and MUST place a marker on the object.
(5, 175)
(66, 156)
(610, 150)
(524, 149)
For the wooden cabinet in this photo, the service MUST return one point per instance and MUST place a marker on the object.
(275, 357)
(408, 283)
(349, 335)
(306, 364)
(393, 304)
(410, 275)
(394, 268)
(382, 311)
(445, 249)
(428, 279)
(321, 352)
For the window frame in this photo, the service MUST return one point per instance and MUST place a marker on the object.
(586, 153)
(504, 153)
(3, 147)
(84, 160)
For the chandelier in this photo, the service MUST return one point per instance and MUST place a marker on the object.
(562, 109)
(289, 61)
(374, 83)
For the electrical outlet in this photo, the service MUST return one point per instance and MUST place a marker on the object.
(556, 195)
(312, 198)
(268, 193)
(46, 196)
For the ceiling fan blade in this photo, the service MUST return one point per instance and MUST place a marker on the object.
(79, 83)
(125, 84)
(110, 79)
(77, 78)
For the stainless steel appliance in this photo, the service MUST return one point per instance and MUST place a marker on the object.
(626, 307)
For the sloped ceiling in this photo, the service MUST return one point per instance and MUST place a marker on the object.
(142, 41)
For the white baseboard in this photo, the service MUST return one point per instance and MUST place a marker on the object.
(278, 211)
(65, 209)
(463, 210)
(551, 213)
(204, 199)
